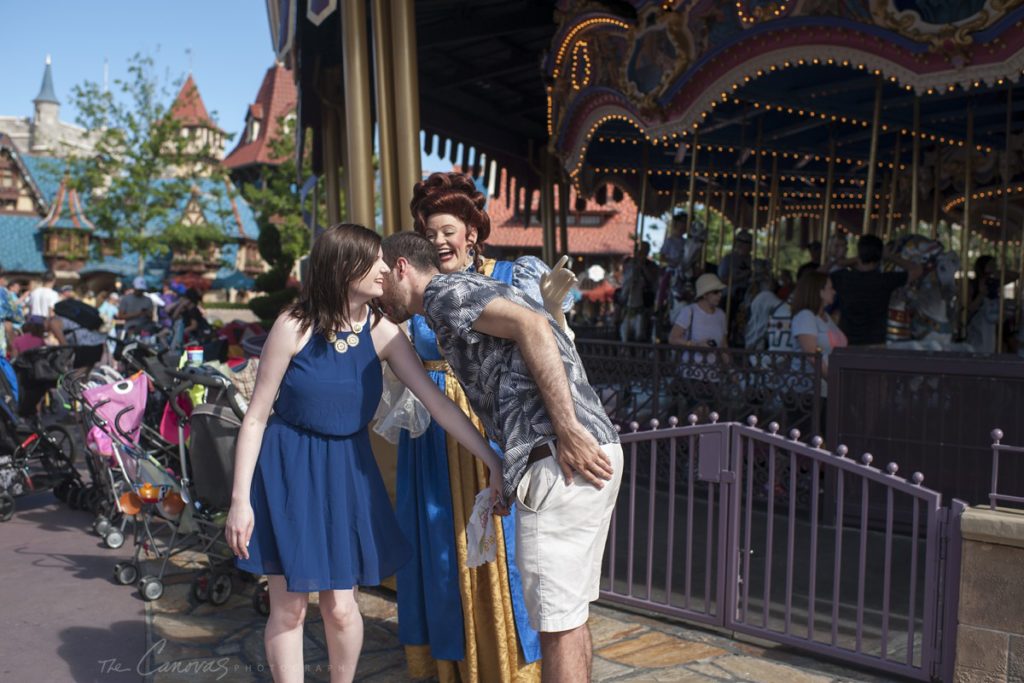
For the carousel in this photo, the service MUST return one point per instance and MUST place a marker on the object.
(808, 122)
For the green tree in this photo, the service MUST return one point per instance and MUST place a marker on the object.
(145, 167)
(284, 237)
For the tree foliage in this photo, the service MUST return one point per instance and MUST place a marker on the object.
(145, 165)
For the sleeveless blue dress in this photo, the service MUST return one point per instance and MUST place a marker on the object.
(323, 519)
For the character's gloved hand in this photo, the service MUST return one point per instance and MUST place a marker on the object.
(553, 288)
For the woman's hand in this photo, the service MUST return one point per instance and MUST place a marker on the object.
(238, 529)
(496, 485)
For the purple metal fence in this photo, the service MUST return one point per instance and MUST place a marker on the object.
(740, 527)
(994, 497)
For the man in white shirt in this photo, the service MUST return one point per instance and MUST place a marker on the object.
(42, 298)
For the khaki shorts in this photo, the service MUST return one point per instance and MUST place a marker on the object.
(560, 537)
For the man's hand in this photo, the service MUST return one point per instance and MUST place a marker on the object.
(556, 284)
(578, 451)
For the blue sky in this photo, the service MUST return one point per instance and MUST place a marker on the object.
(229, 42)
(229, 39)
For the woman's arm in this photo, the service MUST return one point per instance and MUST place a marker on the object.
(677, 336)
(398, 352)
(284, 341)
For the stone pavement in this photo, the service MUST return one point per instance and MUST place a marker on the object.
(199, 642)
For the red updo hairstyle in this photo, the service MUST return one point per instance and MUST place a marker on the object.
(455, 194)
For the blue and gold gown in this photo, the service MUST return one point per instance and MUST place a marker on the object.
(457, 623)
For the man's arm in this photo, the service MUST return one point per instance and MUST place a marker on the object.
(577, 448)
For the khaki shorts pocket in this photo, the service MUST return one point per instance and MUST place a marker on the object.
(537, 484)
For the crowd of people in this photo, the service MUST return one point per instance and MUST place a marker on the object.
(51, 315)
(741, 303)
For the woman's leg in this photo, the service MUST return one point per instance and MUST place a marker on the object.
(343, 628)
(283, 637)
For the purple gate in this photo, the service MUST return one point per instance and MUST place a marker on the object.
(742, 528)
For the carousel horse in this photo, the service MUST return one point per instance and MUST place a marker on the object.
(921, 313)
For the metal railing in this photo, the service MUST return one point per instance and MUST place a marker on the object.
(994, 497)
(935, 409)
(640, 382)
(743, 528)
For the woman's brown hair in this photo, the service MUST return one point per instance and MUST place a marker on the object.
(807, 293)
(455, 194)
(342, 254)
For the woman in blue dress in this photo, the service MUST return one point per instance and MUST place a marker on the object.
(457, 623)
(309, 508)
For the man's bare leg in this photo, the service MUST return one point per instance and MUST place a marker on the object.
(566, 656)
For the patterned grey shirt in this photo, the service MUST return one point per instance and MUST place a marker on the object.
(493, 373)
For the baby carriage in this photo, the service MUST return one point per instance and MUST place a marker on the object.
(32, 457)
(209, 473)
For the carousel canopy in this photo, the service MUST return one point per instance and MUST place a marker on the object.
(778, 91)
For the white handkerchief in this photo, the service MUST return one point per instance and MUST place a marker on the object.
(481, 538)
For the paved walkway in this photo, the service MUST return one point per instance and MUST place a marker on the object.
(64, 609)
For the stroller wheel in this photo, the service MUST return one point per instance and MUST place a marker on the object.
(94, 499)
(101, 526)
(114, 539)
(61, 446)
(201, 586)
(6, 506)
(125, 573)
(150, 588)
(261, 599)
(220, 589)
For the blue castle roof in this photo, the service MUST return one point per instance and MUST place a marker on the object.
(46, 91)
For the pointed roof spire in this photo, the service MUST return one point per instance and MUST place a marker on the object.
(46, 92)
(188, 107)
(66, 211)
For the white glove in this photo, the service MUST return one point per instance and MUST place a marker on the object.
(553, 288)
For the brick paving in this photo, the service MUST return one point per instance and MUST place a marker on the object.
(80, 626)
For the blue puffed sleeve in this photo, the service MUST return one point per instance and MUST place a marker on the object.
(526, 274)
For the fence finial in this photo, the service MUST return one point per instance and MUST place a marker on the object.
(892, 468)
(673, 421)
(816, 441)
(654, 423)
(752, 420)
(842, 450)
(794, 434)
(773, 427)
(917, 478)
(713, 417)
(634, 426)
(692, 419)
(866, 459)
(997, 436)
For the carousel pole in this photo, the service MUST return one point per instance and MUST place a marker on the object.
(707, 221)
(693, 182)
(869, 186)
(643, 205)
(770, 224)
(826, 215)
(965, 227)
(755, 222)
(1004, 219)
(914, 169)
(935, 196)
(892, 190)
(721, 227)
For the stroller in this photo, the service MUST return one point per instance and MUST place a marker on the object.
(32, 456)
(209, 473)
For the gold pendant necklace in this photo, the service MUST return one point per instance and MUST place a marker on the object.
(352, 339)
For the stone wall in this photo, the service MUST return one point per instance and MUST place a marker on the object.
(990, 634)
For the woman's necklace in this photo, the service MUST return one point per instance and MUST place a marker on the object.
(350, 340)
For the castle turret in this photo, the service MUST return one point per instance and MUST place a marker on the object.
(47, 114)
